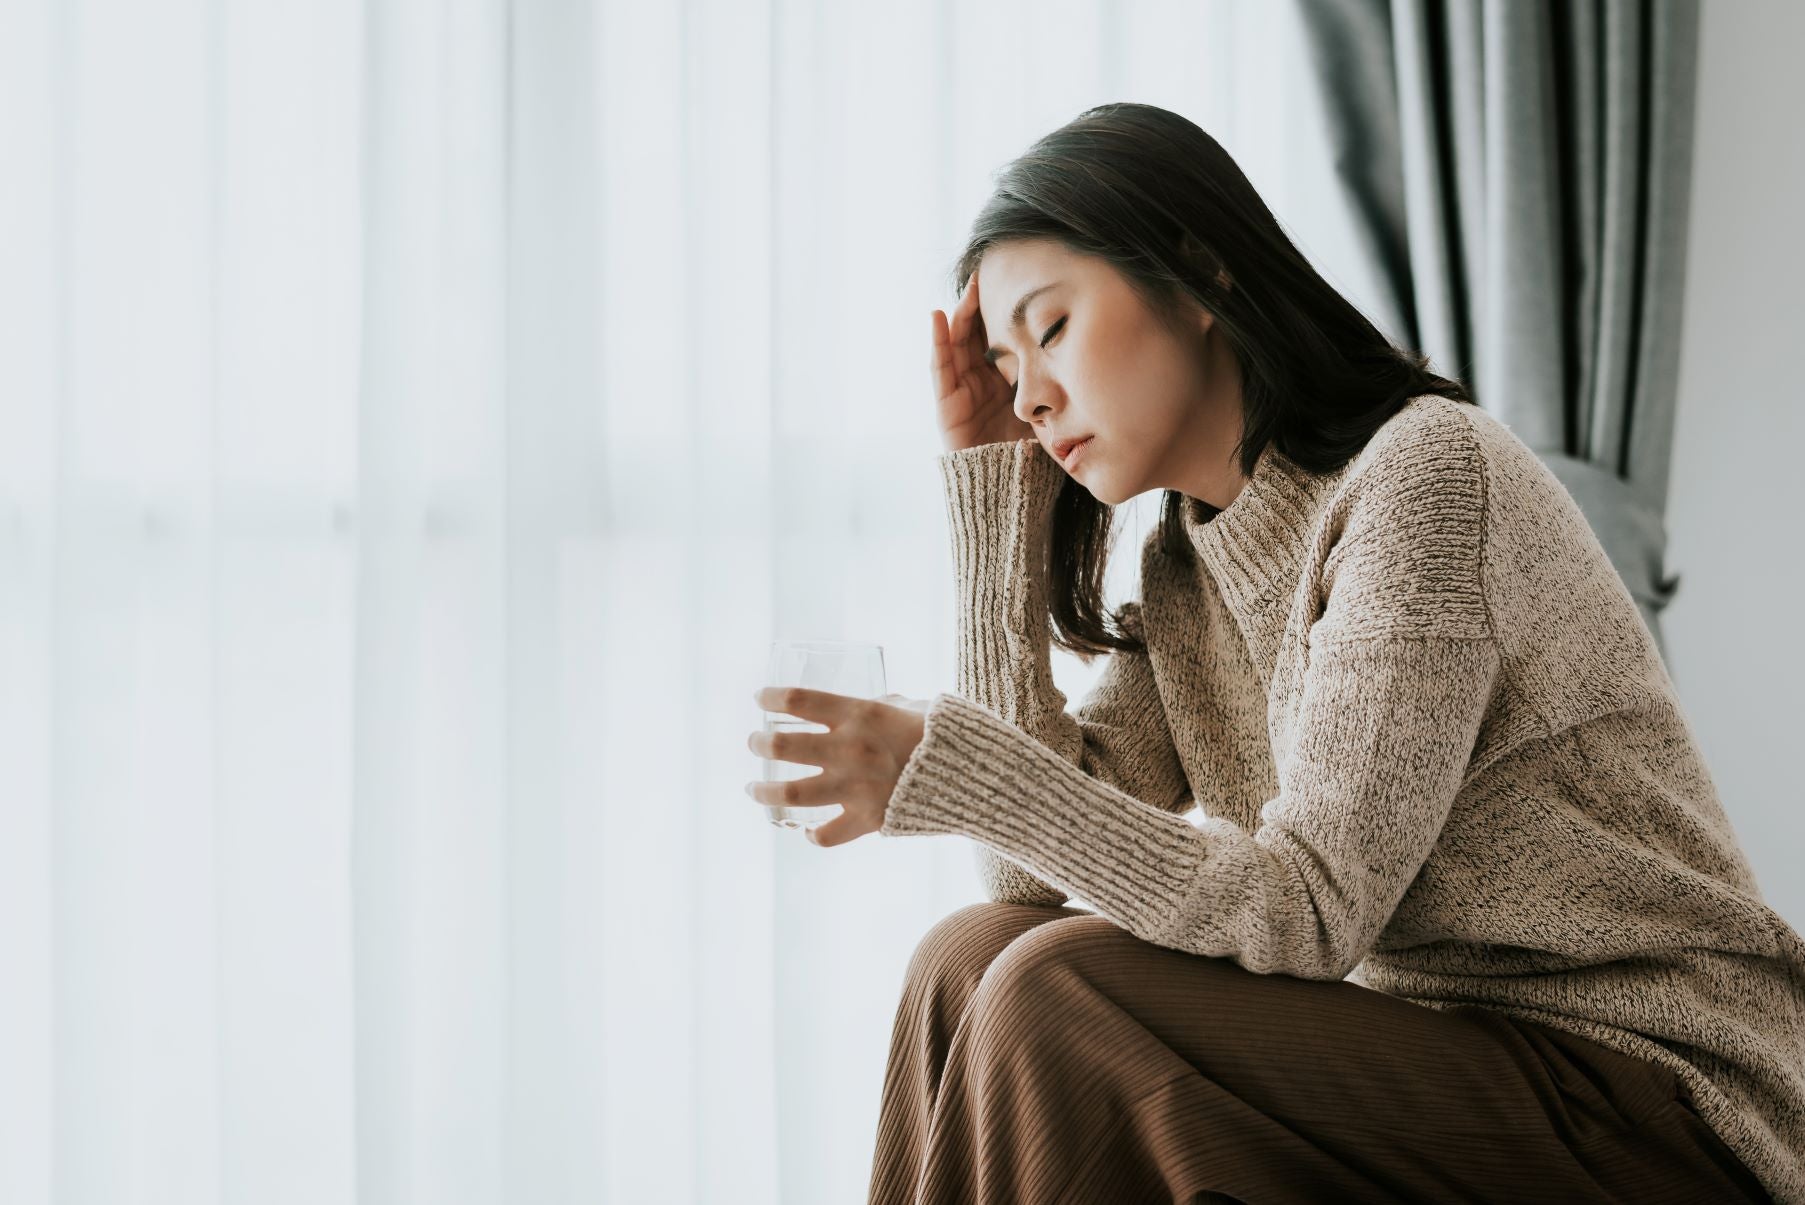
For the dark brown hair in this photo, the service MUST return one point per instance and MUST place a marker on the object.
(1153, 194)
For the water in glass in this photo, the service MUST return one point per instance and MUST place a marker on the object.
(841, 667)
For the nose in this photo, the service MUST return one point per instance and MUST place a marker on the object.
(1034, 399)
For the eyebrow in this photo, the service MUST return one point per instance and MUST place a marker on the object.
(1016, 317)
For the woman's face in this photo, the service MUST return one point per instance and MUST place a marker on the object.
(1163, 408)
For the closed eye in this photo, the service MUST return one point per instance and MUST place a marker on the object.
(1048, 337)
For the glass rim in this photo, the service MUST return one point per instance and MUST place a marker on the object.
(825, 646)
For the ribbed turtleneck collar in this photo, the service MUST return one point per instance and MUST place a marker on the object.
(1254, 547)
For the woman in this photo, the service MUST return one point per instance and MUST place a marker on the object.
(1463, 918)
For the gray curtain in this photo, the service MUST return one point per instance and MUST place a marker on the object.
(1519, 173)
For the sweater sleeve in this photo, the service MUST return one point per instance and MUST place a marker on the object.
(1400, 673)
(999, 500)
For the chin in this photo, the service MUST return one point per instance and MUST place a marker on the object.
(1101, 491)
(1102, 485)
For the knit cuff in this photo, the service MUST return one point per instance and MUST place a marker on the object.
(978, 776)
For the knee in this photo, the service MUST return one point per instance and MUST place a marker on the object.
(1023, 969)
(960, 946)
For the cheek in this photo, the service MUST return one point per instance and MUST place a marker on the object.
(1105, 377)
(1134, 384)
(1170, 389)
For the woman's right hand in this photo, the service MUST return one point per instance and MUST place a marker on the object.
(977, 406)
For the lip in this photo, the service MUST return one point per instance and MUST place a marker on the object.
(1066, 449)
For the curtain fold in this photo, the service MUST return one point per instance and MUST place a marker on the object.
(1519, 175)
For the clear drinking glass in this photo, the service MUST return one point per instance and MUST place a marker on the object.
(842, 667)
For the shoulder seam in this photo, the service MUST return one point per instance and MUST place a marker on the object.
(1395, 638)
(1485, 522)
(1485, 536)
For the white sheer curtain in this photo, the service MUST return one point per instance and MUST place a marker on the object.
(416, 417)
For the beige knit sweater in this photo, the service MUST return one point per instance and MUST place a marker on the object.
(1434, 746)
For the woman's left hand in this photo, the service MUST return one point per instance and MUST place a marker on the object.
(861, 755)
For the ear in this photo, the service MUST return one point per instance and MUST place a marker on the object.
(1192, 251)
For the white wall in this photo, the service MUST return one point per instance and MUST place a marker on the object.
(1736, 643)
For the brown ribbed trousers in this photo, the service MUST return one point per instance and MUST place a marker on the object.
(1046, 1055)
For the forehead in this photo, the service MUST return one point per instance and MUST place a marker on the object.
(1010, 269)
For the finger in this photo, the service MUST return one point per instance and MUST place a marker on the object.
(975, 332)
(821, 706)
(803, 748)
(942, 359)
(959, 335)
(797, 792)
(834, 832)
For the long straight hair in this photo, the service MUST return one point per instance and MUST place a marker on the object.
(1153, 194)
